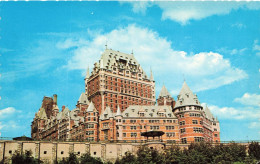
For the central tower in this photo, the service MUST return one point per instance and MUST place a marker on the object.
(118, 80)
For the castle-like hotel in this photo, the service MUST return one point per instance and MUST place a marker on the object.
(119, 104)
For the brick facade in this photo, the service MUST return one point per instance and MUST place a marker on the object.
(119, 105)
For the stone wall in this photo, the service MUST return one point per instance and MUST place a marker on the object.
(51, 151)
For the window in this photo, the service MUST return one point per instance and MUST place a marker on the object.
(123, 127)
(215, 129)
(183, 130)
(198, 139)
(194, 121)
(133, 127)
(169, 127)
(90, 125)
(10, 151)
(133, 134)
(182, 123)
(197, 130)
(216, 135)
(62, 152)
(45, 152)
(124, 134)
(184, 140)
(95, 153)
(170, 134)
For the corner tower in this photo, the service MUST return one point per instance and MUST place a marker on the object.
(190, 116)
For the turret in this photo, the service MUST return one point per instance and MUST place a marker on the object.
(190, 116)
(165, 98)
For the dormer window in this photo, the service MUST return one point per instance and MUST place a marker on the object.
(105, 115)
(169, 115)
(146, 110)
(181, 102)
(152, 110)
(126, 114)
(133, 110)
(187, 95)
(151, 114)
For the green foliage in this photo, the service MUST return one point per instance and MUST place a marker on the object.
(87, 159)
(84, 159)
(129, 158)
(254, 150)
(72, 159)
(24, 158)
(146, 155)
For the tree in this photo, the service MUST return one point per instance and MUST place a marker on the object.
(129, 158)
(87, 159)
(254, 150)
(72, 159)
(24, 158)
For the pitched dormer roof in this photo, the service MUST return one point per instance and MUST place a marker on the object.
(91, 107)
(42, 114)
(118, 112)
(108, 113)
(112, 58)
(186, 97)
(83, 99)
(164, 92)
(208, 113)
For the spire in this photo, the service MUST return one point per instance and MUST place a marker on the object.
(151, 74)
(91, 107)
(164, 92)
(186, 97)
(87, 75)
(118, 112)
(106, 45)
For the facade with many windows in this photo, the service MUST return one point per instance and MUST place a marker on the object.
(119, 105)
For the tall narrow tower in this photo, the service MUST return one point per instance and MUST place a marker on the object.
(118, 79)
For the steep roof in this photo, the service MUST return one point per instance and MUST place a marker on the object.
(151, 75)
(149, 111)
(186, 97)
(118, 112)
(42, 114)
(164, 92)
(91, 107)
(63, 114)
(108, 113)
(208, 114)
(87, 74)
(112, 58)
(83, 99)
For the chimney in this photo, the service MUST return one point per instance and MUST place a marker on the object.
(55, 99)
(63, 107)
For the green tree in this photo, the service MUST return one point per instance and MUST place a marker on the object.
(72, 159)
(24, 158)
(254, 150)
(87, 159)
(129, 158)
(146, 155)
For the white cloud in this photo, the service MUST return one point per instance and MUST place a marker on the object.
(183, 12)
(249, 99)
(232, 51)
(234, 113)
(7, 112)
(256, 47)
(206, 70)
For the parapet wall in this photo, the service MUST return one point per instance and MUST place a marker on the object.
(52, 151)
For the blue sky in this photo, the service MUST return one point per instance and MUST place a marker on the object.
(46, 47)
